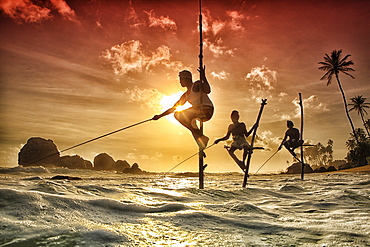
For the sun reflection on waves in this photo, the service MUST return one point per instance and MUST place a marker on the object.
(152, 232)
(167, 192)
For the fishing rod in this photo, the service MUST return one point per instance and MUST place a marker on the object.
(267, 161)
(91, 140)
(190, 157)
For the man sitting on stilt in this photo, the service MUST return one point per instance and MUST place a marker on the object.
(239, 133)
(202, 106)
(293, 142)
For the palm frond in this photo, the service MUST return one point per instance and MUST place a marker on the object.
(346, 73)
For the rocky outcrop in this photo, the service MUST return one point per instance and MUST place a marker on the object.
(324, 169)
(39, 152)
(296, 168)
(331, 169)
(320, 169)
(134, 169)
(121, 165)
(104, 162)
(62, 177)
(74, 162)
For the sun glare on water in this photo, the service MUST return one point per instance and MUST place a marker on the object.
(168, 101)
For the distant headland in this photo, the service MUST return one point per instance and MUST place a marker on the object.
(43, 152)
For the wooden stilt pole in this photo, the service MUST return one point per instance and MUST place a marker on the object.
(201, 151)
(302, 160)
(249, 157)
(201, 169)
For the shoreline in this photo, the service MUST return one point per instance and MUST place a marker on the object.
(360, 169)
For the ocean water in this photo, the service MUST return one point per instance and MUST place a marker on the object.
(108, 209)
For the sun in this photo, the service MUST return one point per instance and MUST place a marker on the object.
(168, 101)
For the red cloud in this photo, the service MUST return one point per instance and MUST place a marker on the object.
(27, 11)
(64, 10)
(163, 21)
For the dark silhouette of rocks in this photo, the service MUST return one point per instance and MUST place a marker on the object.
(104, 162)
(332, 169)
(61, 177)
(121, 165)
(324, 169)
(134, 169)
(39, 152)
(296, 168)
(74, 162)
(320, 169)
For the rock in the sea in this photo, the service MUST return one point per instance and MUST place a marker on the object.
(74, 162)
(321, 169)
(39, 152)
(121, 165)
(134, 169)
(296, 168)
(331, 169)
(61, 177)
(104, 162)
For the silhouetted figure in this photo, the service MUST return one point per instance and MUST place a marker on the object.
(202, 108)
(239, 132)
(292, 134)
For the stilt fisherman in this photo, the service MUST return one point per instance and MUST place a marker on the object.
(202, 106)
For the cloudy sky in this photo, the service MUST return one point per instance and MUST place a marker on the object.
(74, 70)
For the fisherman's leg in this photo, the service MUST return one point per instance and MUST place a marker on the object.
(187, 118)
(290, 148)
(246, 150)
(233, 156)
(287, 145)
(297, 144)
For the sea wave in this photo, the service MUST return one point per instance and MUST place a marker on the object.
(110, 209)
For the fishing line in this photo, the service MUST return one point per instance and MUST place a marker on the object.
(91, 140)
(267, 160)
(190, 157)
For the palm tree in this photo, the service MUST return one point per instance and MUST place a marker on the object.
(358, 151)
(359, 104)
(333, 65)
(367, 124)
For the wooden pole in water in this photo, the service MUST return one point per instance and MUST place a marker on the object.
(301, 137)
(201, 151)
(246, 175)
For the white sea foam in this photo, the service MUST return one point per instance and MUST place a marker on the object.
(108, 209)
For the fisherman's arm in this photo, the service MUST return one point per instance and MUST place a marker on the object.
(250, 131)
(181, 101)
(165, 113)
(284, 139)
(206, 88)
(226, 137)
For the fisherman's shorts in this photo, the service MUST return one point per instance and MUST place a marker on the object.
(239, 142)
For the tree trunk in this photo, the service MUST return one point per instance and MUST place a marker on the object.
(363, 121)
(346, 109)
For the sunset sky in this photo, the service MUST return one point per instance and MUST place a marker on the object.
(74, 70)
